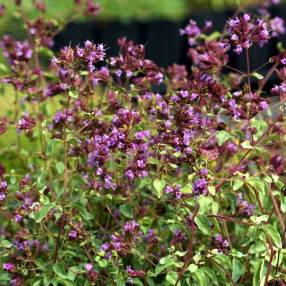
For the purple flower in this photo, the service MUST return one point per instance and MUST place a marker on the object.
(140, 163)
(88, 266)
(91, 273)
(187, 138)
(178, 194)
(18, 53)
(244, 32)
(91, 8)
(126, 117)
(184, 93)
(18, 218)
(2, 10)
(129, 174)
(220, 243)
(131, 226)
(283, 61)
(200, 186)
(244, 207)
(26, 123)
(263, 105)
(10, 267)
(279, 89)
(140, 135)
(178, 237)
(231, 147)
(108, 183)
(169, 190)
(192, 31)
(61, 116)
(151, 237)
(105, 246)
(204, 172)
(55, 88)
(17, 281)
(277, 26)
(99, 171)
(194, 95)
(134, 273)
(2, 196)
(246, 17)
(73, 234)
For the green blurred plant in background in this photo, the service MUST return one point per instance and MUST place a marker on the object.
(122, 10)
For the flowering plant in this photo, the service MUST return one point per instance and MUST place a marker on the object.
(104, 181)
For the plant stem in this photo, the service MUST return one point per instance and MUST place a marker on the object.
(266, 78)
(277, 210)
(250, 150)
(234, 69)
(188, 256)
(66, 179)
(258, 141)
(248, 70)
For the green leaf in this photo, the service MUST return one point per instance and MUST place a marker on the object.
(4, 277)
(246, 145)
(203, 224)
(210, 274)
(44, 210)
(137, 282)
(259, 273)
(224, 260)
(192, 268)
(59, 270)
(172, 277)
(257, 75)
(205, 204)
(41, 264)
(60, 167)
(212, 190)
(174, 166)
(213, 36)
(164, 263)
(82, 210)
(256, 183)
(259, 219)
(3, 68)
(153, 161)
(73, 94)
(187, 189)
(66, 282)
(120, 282)
(37, 283)
(237, 269)
(47, 281)
(126, 210)
(51, 147)
(280, 47)
(6, 243)
(237, 184)
(49, 53)
(159, 186)
(201, 277)
(273, 234)
(222, 136)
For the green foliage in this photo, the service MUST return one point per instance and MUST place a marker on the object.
(107, 181)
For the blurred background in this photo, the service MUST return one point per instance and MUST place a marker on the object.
(153, 23)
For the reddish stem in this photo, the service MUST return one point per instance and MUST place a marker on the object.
(188, 256)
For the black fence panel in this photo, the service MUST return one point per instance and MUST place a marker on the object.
(161, 38)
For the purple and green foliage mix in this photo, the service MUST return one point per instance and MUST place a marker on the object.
(105, 181)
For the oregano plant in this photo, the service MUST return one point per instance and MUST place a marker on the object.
(106, 181)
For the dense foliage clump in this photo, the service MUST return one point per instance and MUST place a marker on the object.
(115, 171)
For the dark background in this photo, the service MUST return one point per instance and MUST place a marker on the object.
(162, 40)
